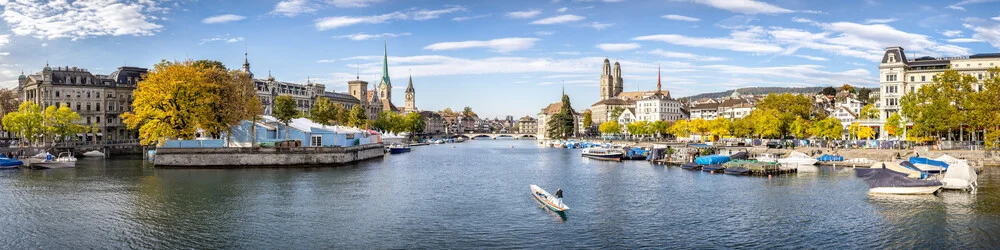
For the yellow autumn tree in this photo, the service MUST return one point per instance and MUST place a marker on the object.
(172, 102)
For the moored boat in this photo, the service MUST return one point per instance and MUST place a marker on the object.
(8, 163)
(65, 160)
(398, 149)
(960, 176)
(887, 181)
(737, 171)
(94, 153)
(796, 159)
(606, 154)
(713, 167)
(691, 166)
(550, 201)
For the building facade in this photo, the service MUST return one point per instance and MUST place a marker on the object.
(527, 125)
(659, 106)
(99, 99)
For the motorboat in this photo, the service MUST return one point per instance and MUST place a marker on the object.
(713, 168)
(398, 148)
(8, 163)
(94, 153)
(459, 139)
(691, 166)
(859, 162)
(830, 158)
(796, 159)
(767, 158)
(550, 201)
(606, 154)
(712, 159)
(636, 153)
(887, 181)
(737, 171)
(65, 160)
(961, 177)
(950, 160)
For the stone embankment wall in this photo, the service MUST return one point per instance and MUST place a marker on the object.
(265, 157)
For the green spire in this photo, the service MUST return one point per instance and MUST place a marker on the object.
(385, 65)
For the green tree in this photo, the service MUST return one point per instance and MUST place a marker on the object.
(800, 128)
(869, 112)
(616, 112)
(787, 107)
(829, 128)
(853, 130)
(766, 123)
(660, 128)
(238, 99)
(284, 111)
(610, 127)
(414, 123)
(26, 122)
(588, 118)
(467, 111)
(60, 122)
(743, 127)
(894, 125)
(940, 106)
(8, 101)
(720, 127)
(983, 106)
(637, 128)
(828, 91)
(325, 112)
(357, 117)
(560, 125)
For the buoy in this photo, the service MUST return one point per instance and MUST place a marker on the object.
(769, 176)
(453, 146)
(711, 172)
(511, 146)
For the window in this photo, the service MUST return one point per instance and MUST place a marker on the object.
(923, 78)
(890, 78)
(911, 78)
(78, 106)
(316, 141)
(88, 107)
(88, 120)
(980, 76)
(98, 120)
(57, 93)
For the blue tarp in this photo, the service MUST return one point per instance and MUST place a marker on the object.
(712, 159)
(827, 157)
(922, 160)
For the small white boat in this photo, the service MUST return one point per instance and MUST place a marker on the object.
(606, 154)
(795, 159)
(960, 177)
(767, 158)
(94, 153)
(65, 160)
(951, 160)
(550, 201)
(904, 190)
(864, 162)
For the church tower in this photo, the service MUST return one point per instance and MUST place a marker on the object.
(385, 87)
(618, 86)
(246, 64)
(411, 105)
(606, 81)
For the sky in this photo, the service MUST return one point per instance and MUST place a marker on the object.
(501, 58)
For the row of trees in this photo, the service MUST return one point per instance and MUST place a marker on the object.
(53, 124)
(953, 103)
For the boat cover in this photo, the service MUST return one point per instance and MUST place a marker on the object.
(713, 167)
(7, 162)
(951, 160)
(922, 160)
(827, 157)
(690, 165)
(797, 154)
(712, 159)
(737, 170)
(739, 156)
(880, 177)
(958, 173)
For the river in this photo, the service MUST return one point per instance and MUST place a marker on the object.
(476, 195)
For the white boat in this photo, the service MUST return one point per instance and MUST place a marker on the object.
(767, 158)
(797, 159)
(959, 176)
(951, 160)
(864, 162)
(607, 154)
(94, 153)
(894, 166)
(65, 160)
(904, 190)
(41, 155)
(550, 201)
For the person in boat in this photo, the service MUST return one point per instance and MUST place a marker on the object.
(559, 193)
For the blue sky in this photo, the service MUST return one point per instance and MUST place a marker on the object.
(501, 57)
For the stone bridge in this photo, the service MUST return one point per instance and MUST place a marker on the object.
(494, 136)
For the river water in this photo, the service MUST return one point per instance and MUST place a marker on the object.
(476, 195)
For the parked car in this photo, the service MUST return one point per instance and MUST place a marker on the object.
(774, 144)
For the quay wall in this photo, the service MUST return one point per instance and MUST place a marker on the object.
(265, 157)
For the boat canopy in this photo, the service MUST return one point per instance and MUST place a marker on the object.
(960, 172)
(880, 177)
(797, 154)
(898, 168)
(951, 160)
(712, 159)
(827, 157)
(922, 160)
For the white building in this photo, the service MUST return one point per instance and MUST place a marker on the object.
(627, 116)
(658, 106)
(705, 110)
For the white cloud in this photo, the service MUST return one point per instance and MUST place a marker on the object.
(801, 20)
(885, 20)
(559, 19)
(743, 41)
(680, 18)
(964, 40)
(984, 30)
(352, 3)
(618, 47)
(544, 33)
(466, 18)
(814, 58)
(4, 40)
(568, 53)
(859, 40)
(499, 45)
(80, 19)
(796, 74)
(958, 5)
(292, 8)
(4, 53)
(682, 55)
(600, 26)
(563, 9)
(996, 18)
(223, 19)
(226, 39)
(326, 60)
(524, 14)
(421, 15)
(952, 33)
(365, 36)
(328, 23)
(750, 7)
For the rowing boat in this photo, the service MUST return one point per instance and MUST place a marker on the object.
(547, 199)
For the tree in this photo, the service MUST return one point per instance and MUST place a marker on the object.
(174, 100)
(616, 112)
(829, 91)
(357, 117)
(766, 123)
(853, 129)
(700, 127)
(637, 128)
(467, 111)
(238, 98)
(800, 128)
(26, 122)
(414, 123)
(894, 124)
(743, 127)
(560, 125)
(325, 112)
(939, 106)
(829, 128)
(983, 106)
(720, 127)
(681, 128)
(59, 122)
(587, 118)
(865, 95)
(610, 127)
(660, 128)
(866, 133)
(449, 112)
(8, 101)
(847, 87)
(868, 112)
(787, 107)
(284, 111)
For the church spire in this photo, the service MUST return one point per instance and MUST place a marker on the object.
(385, 63)
(246, 62)
(409, 87)
(658, 86)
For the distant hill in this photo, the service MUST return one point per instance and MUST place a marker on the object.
(758, 91)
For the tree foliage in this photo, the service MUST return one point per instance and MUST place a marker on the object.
(868, 112)
(786, 107)
(325, 112)
(588, 118)
(610, 127)
(681, 128)
(743, 127)
(560, 125)
(357, 117)
(894, 125)
(766, 123)
(8, 101)
(721, 127)
(174, 100)
(939, 106)
(616, 112)
(800, 128)
(60, 122)
(26, 122)
(701, 127)
(467, 112)
(829, 91)
(829, 128)
(284, 110)
(413, 123)
(983, 105)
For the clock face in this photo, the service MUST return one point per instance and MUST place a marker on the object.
(409, 96)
